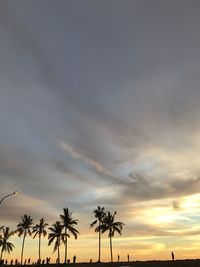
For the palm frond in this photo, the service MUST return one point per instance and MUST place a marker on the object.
(93, 223)
(68, 223)
(4, 243)
(25, 225)
(56, 235)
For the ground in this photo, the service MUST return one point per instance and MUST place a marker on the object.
(176, 263)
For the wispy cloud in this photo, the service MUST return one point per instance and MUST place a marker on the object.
(92, 163)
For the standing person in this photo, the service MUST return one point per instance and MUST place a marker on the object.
(118, 257)
(74, 259)
(128, 257)
(172, 255)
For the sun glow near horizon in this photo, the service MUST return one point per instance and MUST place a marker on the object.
(150, 233)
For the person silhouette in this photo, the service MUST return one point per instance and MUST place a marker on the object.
(128, 257)
(172, 255)
(74, 259)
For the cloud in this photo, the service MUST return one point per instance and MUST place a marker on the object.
(92, 163)
(100, 106)
(146, 188)
(176, 205)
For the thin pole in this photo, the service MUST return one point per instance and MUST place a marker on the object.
(15, 192)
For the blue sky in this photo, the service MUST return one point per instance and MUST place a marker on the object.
(99, 105)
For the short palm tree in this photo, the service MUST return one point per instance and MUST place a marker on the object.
(5, 245)
(57, 236)
(111, 226)
(40, 230)
(69, 226)
(99, 214)
(24, 228)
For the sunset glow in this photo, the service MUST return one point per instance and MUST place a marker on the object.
(99, 106)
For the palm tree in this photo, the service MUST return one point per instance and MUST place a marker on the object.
(24, 228)
(57, 235)
(111, 226)
(39, 229)
(69, 226)
(99, 214)
(1, 228)
(5, 245)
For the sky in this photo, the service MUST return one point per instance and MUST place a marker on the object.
(99, 105)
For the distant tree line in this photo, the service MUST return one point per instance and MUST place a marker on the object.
(59, 232)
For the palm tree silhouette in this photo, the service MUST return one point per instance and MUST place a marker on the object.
(24, 227)
(68, 224)
(57, 235)
(1, 228)
(111, 226)
(39, 229)
(5, 245)
(99, 214)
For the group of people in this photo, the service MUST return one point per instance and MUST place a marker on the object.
(68, 260)
(47, 261)
(118, 257)
(15, 262)
(43, 261)
(27, 261)
(39, 261)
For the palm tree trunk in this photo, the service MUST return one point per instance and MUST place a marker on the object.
(65, 245)
(23, 247)
(39, 247)
(1, 253)
(99, 244)
(111, 254)
(58, 253)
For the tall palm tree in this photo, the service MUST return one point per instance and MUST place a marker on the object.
(111, 226)
(24, 228)
(69, 227)
(99, 214)
(40, 230)
(57, 235)
(5, 245)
